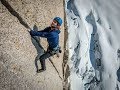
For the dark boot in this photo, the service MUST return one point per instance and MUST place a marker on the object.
(43, 67)
(40, 70)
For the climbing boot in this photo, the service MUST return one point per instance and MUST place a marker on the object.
(40, 70)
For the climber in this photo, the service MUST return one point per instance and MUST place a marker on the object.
(52, 35)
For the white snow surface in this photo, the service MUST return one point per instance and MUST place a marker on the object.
(93, 44)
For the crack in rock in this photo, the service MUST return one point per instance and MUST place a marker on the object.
(14, 13)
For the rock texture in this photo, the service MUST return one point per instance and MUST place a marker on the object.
(18, 51)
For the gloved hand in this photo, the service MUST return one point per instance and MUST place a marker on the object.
(60, 51)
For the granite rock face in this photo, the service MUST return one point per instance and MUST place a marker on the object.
(19, 52)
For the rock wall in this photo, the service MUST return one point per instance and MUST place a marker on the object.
(19, 52)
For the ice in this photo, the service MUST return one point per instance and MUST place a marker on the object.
(93, 44)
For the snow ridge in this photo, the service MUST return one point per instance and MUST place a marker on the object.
(93, 44)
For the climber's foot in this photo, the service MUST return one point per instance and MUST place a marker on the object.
(40, 70)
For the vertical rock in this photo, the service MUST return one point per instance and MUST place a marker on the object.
(17, 51)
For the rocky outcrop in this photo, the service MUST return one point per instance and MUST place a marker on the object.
(19, 52)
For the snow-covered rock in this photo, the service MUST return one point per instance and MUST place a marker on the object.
(93, 44)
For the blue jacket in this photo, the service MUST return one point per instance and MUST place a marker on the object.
(51, 35)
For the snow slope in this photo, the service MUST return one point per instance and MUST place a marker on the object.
(94, 44)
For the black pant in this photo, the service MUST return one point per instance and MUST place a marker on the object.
(43, 58)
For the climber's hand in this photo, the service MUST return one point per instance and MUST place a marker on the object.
(60, 51)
